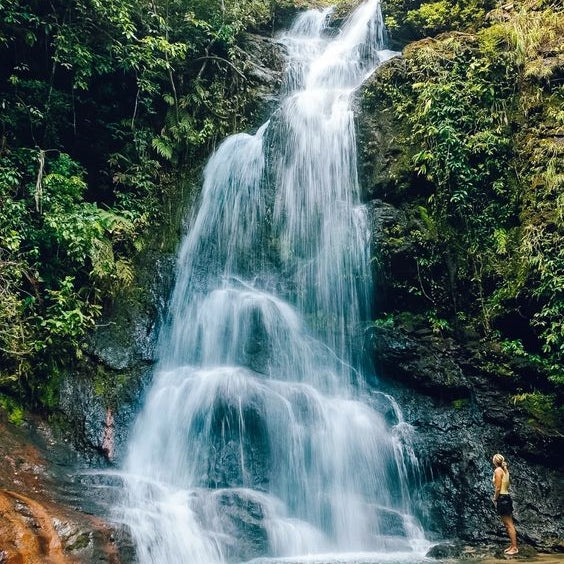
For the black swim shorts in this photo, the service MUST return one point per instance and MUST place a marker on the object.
(504, 505)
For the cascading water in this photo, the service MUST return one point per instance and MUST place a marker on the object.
(258, 437)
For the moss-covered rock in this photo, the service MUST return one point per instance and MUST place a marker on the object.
(462, 135)
(460, 141)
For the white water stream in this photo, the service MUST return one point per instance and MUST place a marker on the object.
(258, 437)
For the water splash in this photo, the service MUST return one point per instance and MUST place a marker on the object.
(257, 438)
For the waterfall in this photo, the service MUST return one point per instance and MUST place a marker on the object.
(258, 438)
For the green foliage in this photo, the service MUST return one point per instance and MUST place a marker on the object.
(438, 325)
(460, 118)
(103, 102)
(536, 36)
(432, 17)
(67, 319)
(481, 115)
(15, 411)
(109, 385)
(514, 348)
(408, 20)
(541, 407)
(54, 273)
(159, 51)
(387, 321)
(460, 403)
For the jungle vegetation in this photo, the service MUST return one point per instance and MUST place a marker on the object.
(103, 104)
(477, 104)
(106, 103)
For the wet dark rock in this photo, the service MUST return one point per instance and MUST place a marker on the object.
(391, 523)
(126, 335)
(425, 362)
(224, 468)
(264, 62)
(462, 413)
(242, 522)
(382, 215)
(385, 168)
(108, 386)
(245, 520)
(85, 411)
(445, 550)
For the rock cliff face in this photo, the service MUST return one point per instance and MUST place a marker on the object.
(460, 391)
(456, 390)
(36, 525)
(457, 397)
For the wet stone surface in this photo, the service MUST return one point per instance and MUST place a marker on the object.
(36, 526)
(461, 415)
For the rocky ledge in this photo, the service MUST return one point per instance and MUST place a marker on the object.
(460, 399)
(35, 526)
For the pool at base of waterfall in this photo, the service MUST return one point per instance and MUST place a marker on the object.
(407, 557)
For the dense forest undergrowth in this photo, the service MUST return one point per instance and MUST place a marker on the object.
(109, 108)
(473, 121)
